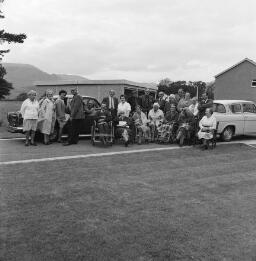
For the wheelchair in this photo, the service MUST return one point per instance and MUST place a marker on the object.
(186, 132)
(166, 133)
(104, 138)
(123, 133)
(140, 134)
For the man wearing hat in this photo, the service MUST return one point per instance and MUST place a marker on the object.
(76, 116)
(146, 102)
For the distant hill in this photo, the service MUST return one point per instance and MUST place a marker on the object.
(23, 76)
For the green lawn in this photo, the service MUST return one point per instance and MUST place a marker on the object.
(171, 205)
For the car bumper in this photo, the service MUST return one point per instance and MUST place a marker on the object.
(15, 129)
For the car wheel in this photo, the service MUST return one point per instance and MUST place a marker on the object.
(227, 134)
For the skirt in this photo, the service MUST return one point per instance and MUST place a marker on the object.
(205, 135)
(29, 125)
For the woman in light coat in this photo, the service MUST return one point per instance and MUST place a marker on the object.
(47, 116)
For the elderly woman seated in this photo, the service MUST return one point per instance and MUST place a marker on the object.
(156, 116)
(207, 126)
(103, 117)
(167, 130)
(141, 124)
(186, 126)
(124, 129)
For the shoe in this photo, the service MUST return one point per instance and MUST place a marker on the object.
(33, 144)
(26, 144)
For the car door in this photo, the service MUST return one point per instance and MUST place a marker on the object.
(249, 111)
(237, 118)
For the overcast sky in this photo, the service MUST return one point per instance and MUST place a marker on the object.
(140, 40)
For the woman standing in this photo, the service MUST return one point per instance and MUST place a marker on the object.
(47, 116)
(124, 108)
(29, 111)
(207, 126)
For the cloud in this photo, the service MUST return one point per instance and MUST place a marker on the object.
(139, 40)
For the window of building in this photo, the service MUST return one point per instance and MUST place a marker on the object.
(236, 108)
(253, 83)
(249, 107)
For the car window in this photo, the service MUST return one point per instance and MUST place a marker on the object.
(218, 107)
(249, 107)
(85, 100)
(236, 108)
(95, 103)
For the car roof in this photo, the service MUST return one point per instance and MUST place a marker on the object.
(231, 101)
(70, 96)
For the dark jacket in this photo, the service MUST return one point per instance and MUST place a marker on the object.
(103, 116)
(106, 101)
(171, 117)
(203, 105)
(147, 102)
(77, 107)
(161, 103)
(168, 104)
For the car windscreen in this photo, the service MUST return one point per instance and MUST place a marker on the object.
(218, 107)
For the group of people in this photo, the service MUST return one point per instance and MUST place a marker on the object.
(168, 118)
(42, 115)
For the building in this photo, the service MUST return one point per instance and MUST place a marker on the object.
(98, 88)
(237, 82)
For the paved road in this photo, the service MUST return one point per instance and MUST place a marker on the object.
(14, 149)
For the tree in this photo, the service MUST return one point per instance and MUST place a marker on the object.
(22, 97)
(9, 38)
(170, 87)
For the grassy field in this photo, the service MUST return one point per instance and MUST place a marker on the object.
(8, 106)
(170, 205)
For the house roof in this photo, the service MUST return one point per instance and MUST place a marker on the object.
(237, 64)
(97, 82)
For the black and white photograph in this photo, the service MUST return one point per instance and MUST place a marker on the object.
(127, 130)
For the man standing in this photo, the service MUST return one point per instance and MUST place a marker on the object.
(111, 103)
(77, 115)
(147, 102)
(61, 112)
(162, 100)
(204, 104)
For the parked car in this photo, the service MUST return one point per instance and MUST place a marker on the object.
(235, 117)
(15, 119)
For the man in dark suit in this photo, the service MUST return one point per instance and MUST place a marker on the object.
(76, 116)
(112, 103)
(204, 104)
(133, 99)
(162, 100)
(147, 102)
